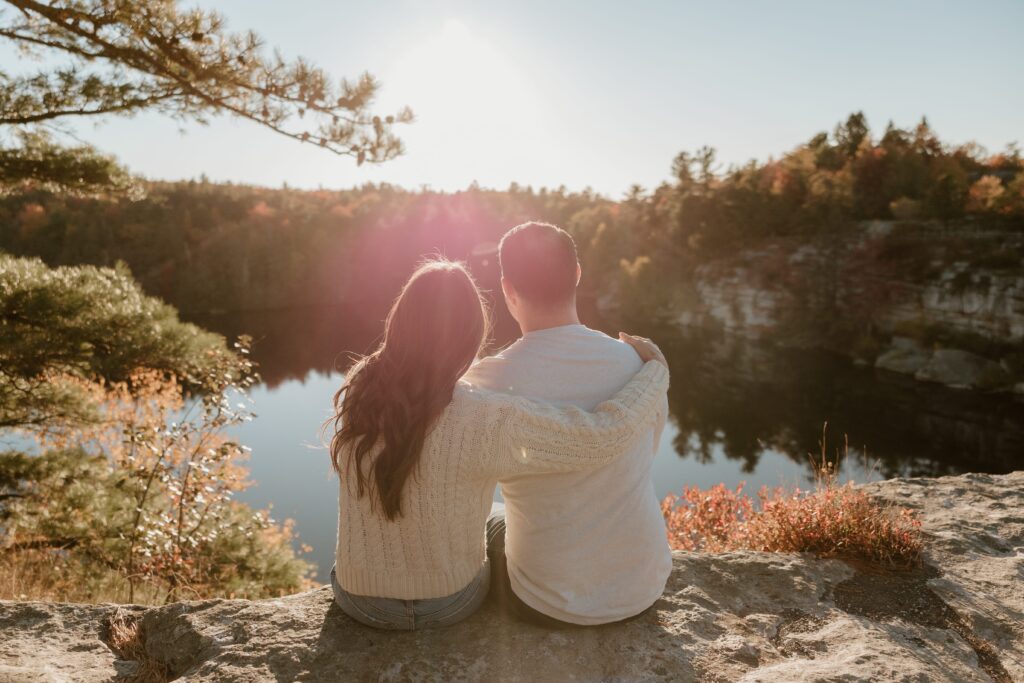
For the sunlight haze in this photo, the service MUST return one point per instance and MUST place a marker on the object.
(601, 94)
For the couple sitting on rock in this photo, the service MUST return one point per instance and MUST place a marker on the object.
(566, 419)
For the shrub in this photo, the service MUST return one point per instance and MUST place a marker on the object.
(139, 504)
(714, 520)
(836, 521)
(128, 491)
(833, 520)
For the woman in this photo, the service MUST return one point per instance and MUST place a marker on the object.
(418, 454)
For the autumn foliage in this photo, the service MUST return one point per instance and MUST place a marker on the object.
(118, 473)
(830, 520)
(138, 505)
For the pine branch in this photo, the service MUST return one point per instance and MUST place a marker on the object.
(186, 64)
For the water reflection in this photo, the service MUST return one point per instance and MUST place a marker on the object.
(292, 344)
(747, 398)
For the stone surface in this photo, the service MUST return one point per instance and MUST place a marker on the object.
(970, 300)
(975, 526)
(904, 356)
(961, 370)
(54, 643)
(731, 617)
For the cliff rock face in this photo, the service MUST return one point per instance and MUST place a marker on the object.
(731, 617)
(967, 299)
(964, 286)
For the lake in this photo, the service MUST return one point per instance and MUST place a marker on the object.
(740, 412)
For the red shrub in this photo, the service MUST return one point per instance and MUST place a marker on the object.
(712, 520)
(834, 520)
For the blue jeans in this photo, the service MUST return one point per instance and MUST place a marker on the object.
(410, 615)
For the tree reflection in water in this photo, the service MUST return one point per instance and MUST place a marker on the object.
(747, 397)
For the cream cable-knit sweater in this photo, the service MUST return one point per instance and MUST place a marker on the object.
(437, 546)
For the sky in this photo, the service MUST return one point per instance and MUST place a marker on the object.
(604, 94)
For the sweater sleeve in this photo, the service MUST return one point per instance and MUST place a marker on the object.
(522, 436)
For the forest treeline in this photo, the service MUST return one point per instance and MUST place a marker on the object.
(219, 247)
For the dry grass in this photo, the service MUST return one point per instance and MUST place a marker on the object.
(127, 639)
(837, 521)
(54, 576)
(832, 520)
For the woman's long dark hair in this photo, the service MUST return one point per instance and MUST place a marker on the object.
(434, 331)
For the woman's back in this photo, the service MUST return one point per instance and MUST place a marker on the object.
(436, 546)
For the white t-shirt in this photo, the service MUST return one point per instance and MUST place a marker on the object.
(583, 547)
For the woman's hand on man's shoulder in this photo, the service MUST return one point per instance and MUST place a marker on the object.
(645, 348)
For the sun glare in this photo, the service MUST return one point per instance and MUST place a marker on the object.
(477, 115)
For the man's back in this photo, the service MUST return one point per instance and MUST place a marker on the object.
(583, 547)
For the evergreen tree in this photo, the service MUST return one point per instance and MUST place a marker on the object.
(92, 324)
(125, 57)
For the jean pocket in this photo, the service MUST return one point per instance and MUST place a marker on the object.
(383, 613)
(454, 608)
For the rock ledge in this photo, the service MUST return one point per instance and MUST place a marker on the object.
(733, 617)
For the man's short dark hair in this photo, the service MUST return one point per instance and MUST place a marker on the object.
(539, 261)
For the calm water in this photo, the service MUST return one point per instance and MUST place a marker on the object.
(740, 412)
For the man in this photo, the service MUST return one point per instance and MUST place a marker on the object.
(581, 548)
